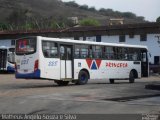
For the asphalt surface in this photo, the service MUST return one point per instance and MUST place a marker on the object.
(96, 97)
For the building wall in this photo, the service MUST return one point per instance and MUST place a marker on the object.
(6, 43)
(151, 43)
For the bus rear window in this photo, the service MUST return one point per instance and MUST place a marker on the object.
(11, 55)
(26, 46)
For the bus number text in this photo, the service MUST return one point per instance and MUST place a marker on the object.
(23, 62)
(52, 63)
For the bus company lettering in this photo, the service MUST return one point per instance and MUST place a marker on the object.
(121, 65)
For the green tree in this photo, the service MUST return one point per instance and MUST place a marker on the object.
(54, 25)
(89, 22)
(93, 9)
(158, 19)
(129, 15)
(28, 26)
(71, 3)
(84, 7)
(3, 26)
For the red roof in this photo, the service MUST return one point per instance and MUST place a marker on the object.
(86, 28)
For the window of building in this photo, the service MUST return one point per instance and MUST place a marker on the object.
(143, 37)
(157, 60)
(12, 42)
(122, 38)
(84, 38)
(76, 38)
(98, 38)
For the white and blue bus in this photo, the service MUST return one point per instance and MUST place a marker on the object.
(65, 60)
(7, 59)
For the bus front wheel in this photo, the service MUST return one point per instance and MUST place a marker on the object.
(82, 78)
(131, 77)
(111, 81)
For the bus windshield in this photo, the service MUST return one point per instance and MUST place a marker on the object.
(11, 55)
(25, 46)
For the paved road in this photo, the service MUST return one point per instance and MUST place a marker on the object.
(97, 97)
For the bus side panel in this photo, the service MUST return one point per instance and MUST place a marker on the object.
(50, 68)
(121, 69)
(95, 67)
(106, 69)
(79, 64)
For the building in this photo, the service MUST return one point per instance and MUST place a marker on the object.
(147, 34)
(136, 34)
(116, 21)
(74, 20)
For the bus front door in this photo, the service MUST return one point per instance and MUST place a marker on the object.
(3, 59)
(66, 61)
(144, 63)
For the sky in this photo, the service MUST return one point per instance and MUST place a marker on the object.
(150, 9)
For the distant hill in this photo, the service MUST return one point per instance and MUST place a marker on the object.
(17, 12)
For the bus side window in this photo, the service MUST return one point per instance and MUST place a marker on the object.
(111, 53)
(81, 51)
(77, 53)
(46, 54)
(133, 54)
(46, 51)
(97, 52)
(84, 51)
(50, 49)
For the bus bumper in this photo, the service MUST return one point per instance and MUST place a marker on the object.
(34, 75)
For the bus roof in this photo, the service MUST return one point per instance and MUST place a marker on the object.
(6, 47)
(90, 43)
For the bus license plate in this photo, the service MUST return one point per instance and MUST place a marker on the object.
(18, 66)
(25, 70)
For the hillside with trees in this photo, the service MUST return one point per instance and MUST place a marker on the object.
(53, 14)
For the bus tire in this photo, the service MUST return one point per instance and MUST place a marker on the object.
(111, 81)
(82, 78)
(131, 77)
(62, 83)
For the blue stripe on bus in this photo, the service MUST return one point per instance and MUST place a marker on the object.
(10, 69)
(35, 74)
